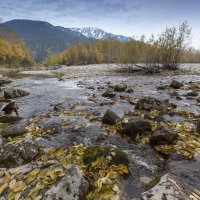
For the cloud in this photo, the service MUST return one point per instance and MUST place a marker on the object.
(128, 17)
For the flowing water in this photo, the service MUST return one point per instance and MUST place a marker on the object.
(45, 92)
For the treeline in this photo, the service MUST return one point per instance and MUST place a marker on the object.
(167, 50)
(13, 51)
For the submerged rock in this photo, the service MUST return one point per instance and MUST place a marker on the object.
(121, 87)
(110, 117)
(169, 187)
(150, 103)
(163, 135)
(13, 131)
(12, 93)
(176, 85)
(134, 125)
(19, 153)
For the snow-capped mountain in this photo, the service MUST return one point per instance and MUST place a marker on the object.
(96, 33)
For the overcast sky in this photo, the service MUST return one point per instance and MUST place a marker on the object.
(126, 17)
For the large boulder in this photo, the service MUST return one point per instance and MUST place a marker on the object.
(13, 131)
(150, 103)
(169, 187)
(163, 135)
(176, 84)
(12, 93)
(110, 117)
(134, 125)
(19, 153)
(120, 87)
(72, 186)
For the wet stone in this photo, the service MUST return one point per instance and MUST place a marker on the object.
(110, 117)
(134, 125)
(176, 84)
(163, 135)
(109, 94)
(120, 88)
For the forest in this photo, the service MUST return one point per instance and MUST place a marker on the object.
(168, 50)
(13, 51)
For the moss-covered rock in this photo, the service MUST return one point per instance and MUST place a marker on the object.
(92, 153)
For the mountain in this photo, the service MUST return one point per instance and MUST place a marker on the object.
(96, 33)
(43, 38)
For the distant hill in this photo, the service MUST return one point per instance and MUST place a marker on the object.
(43, 38)
(96, 33)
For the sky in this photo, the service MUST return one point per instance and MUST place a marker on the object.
(126, 17)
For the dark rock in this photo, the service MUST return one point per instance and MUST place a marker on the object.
(90, 87)
(19, 153)
(109, 94)
(13, 131)
(198, 126)
(14, 93)
(198, 100)
(161, 87)
(176, 85)
(120, 88)
(9, 107)
(192, 94)
(150, 103)
(163, 135)
(58, 108)
(130, 90)
(134, 125)
(110, 117)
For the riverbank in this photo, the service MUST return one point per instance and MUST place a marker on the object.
(96, 70)
(80, 128)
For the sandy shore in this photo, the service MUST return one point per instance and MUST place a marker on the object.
(107, 70)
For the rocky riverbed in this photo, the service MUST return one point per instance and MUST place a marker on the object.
(103, 137)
